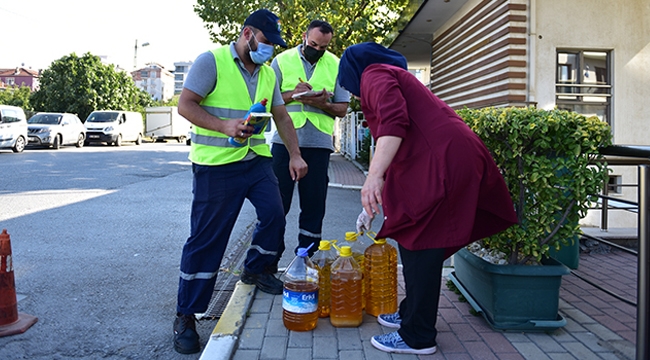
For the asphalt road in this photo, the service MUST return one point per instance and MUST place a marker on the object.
(96, 237)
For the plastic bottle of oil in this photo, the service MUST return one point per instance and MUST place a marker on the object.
(380, 278)
(346, 278)
(300, 295)
(358, 244)
(323, 259)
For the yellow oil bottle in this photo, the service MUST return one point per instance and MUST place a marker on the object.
(346, 297)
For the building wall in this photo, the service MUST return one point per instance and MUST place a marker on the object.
(622, 27)
(479, 57)
(158, 82)
(504, 52)
(180, 73)
(20, 77)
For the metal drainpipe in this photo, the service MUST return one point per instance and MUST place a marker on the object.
(643, 289)
(531, 83)
(604, 222)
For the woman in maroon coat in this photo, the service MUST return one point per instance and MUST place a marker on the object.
(435, 180)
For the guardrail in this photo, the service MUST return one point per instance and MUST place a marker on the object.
(637, 156)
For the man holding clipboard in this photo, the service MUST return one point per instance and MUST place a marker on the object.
(307, 75)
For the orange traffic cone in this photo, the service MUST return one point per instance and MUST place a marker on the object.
(11, 322)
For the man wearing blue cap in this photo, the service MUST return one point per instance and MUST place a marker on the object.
(220, 88)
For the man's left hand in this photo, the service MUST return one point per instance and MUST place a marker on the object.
(319, 101)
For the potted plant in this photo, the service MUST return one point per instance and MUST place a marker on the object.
(547, 161)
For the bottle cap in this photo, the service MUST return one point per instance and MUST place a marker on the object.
(346, 251)
(302, 252)
(325, 245)
(380, 241)
(350, 236)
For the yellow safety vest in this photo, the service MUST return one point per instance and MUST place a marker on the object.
(230, 100)
(324, 76)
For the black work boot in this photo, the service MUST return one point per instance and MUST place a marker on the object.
(186, 339)
(264, 281)
(271, 269)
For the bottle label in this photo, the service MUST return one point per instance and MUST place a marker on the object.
(300, 302)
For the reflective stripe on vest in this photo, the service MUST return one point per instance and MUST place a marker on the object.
(324, 76)
(230, 100)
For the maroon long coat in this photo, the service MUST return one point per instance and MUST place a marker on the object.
(442, 189)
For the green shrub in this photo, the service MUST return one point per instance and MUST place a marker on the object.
(546, 158)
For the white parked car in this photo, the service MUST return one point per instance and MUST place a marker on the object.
(13, 128)
(55, 129)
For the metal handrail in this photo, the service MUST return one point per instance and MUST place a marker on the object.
(640, 156)
(619, 155)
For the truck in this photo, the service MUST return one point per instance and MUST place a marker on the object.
(164, 122)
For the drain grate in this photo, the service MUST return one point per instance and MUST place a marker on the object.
(222, 292)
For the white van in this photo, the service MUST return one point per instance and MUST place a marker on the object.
(114, 126)
(13, 128)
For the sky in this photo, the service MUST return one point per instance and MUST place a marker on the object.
(37, 32)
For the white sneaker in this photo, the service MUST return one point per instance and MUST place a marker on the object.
(390, 320)
(392, 342)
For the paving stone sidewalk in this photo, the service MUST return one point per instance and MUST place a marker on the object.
(599, 326)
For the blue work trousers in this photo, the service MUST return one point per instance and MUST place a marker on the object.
(312, 191)
(219, 194)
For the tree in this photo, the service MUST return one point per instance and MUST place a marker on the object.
(16, 96)
(354, 21)
(171, 102)
(80, 85)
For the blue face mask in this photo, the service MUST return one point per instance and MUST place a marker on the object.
(263, 53)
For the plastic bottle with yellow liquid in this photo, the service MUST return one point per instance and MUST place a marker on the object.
(323, 259)
(347, 277)
(300, 295)
(358, 244)
(380, 278)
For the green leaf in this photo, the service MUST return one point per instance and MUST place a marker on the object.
(545, 157)
(353, 21)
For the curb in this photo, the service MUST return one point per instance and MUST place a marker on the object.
(224, 337)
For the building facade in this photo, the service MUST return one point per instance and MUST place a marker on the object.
(180, 73)
(588, 56)
(155, 80)
(17, 77)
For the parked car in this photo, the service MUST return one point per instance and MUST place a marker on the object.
(55, 129)
(114, 126)
(13, 128)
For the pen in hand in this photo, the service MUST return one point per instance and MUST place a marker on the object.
(303, 84)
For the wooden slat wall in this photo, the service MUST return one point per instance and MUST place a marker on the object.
(481, 60)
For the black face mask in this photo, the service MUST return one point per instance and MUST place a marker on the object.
(311, 54)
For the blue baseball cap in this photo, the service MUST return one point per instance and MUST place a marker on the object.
(268, 23)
